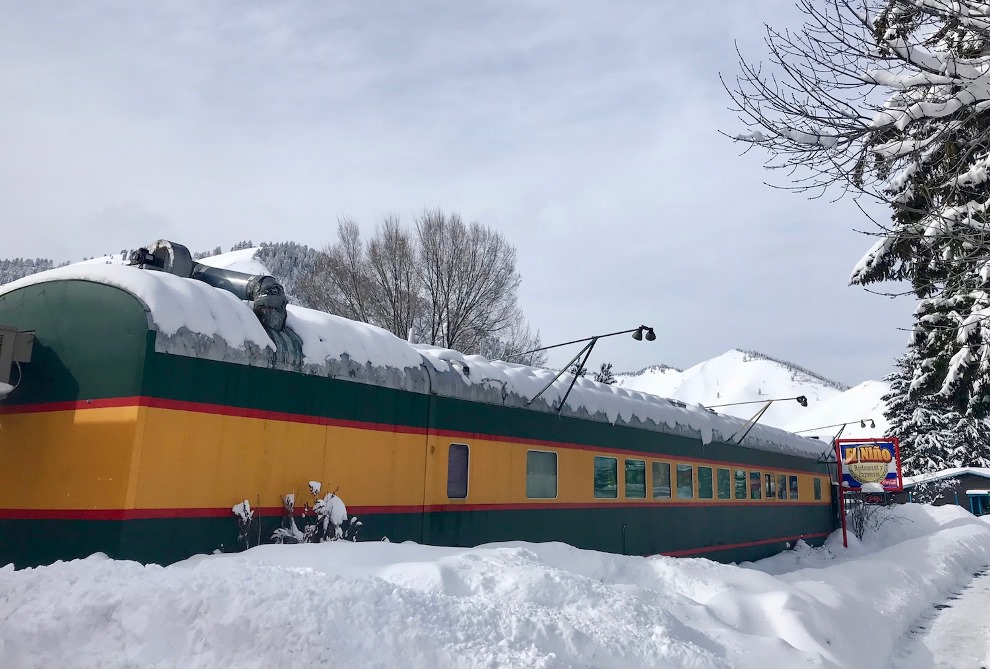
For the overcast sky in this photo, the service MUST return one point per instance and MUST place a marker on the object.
(587, 132)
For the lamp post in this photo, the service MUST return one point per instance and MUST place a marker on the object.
(748, 425)
(638, 333)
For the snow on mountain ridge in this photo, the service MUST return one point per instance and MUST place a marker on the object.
(797, 369)
(746, 380)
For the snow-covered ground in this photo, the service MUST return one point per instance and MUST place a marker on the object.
(500, 605)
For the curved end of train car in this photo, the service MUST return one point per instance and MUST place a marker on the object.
(154, 402)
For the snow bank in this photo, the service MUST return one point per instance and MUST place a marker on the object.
(501, 605)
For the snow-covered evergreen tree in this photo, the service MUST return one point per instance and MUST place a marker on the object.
(207, 254)
(932, 437)
(12, 269)
(891, 98)
(604, 374)
(291, 264)
(245, 244)
(922, 426)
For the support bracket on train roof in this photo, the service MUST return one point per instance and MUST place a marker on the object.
(637, 334)
(15, 348)
(741, 433)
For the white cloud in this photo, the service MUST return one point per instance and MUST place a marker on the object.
(587, 132)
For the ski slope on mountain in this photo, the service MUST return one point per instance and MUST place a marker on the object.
(860, 403)
(738, 376)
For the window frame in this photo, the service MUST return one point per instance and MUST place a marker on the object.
(625, 477)
(735, 483)
(755, 491)
(684, 467)
(467, 469)
(728, 484)
(782, 486)
(711, 483)
(792, 488)
(818, 488)
(653, 480)
(594, 481)
(556, 473)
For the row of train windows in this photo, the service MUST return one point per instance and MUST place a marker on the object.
(541, 479)
(718, 482)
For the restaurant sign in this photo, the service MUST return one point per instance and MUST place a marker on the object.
(865, 461)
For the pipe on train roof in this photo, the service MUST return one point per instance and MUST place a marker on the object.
(264, 292)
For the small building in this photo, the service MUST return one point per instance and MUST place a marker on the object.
(968, 487)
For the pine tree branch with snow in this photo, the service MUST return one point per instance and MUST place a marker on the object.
(891, 99)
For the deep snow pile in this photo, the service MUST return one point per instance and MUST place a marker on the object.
(503, 605)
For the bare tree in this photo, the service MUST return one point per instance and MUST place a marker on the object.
(392, 262)
(341, 279)
(517, 338)
(468, 274)
(449, 283)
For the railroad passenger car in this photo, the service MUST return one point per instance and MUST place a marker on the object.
(153, 402)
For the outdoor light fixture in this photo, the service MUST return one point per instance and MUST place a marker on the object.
(862, 423)
(638, 333)
(643, 331)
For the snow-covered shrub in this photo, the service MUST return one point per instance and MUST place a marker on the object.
(325, 520)
(866, 517)
(246, 525)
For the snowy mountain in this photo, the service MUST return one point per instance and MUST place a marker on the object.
(754, 378)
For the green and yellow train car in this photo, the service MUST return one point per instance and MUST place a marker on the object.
(155, 402)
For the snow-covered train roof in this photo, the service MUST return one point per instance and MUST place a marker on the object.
(179, 307)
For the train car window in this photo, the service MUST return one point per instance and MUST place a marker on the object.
(793, 487)
(754, 485)
(606, 477)
(768, 488)
(636, 479)
(740, 484)
(457, 471)
(782, 486)
(724, 484)
(685, 481)
(818, 488)
(541, 474)
(661, 480)
(705, 483)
